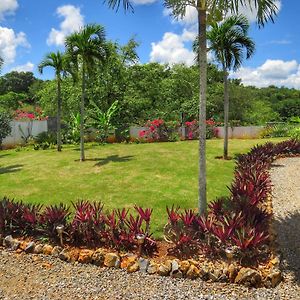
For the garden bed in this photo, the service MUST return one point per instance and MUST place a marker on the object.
(234, 242)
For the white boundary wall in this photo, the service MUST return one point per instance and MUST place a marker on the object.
(243, 132)
(24, 128)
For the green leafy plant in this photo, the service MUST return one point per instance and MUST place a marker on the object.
(102, 121)
(5, 128)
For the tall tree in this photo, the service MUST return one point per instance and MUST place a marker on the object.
(208, 10)
(230, 43)
(58, 62)
(85, 47)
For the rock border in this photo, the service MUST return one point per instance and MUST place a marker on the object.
(212, 271)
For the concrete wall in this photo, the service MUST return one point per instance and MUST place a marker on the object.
(243, 132)
(20, 128)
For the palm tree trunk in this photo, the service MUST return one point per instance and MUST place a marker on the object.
(59, 143)
(82, 157)
(202, 108)
(226, 113)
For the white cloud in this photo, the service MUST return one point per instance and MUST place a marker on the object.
(9, 42)
(190, 17)
(143, 2)
(28, 67)
(251, 12)
(73, 21)
(8, 7)
(272, 72)
(171, 49)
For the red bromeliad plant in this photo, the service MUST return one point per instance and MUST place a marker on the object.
(88, 224)
(53, 216)
(31, 217)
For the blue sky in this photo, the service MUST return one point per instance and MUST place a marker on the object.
(31, 28)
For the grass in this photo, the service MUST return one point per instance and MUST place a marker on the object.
(150, 175)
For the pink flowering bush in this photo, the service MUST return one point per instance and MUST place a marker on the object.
(192, 129)
(157, 131)
(29, 114)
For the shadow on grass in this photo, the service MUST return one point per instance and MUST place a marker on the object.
(289, 242)
(10, 169)
(3, 155)
(112, 158)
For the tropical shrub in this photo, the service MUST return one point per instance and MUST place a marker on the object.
(29, 113)
(44, 140)
(192, 129)
(157, 131)
(5, 128)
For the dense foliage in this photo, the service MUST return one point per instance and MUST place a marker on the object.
(150, 91)
(5, 128)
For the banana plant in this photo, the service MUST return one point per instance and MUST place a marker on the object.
(102, 121)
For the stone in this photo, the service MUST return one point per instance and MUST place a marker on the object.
(273, 279)
(274, 263)
(128, 261)
(248, 277)
(85, 256)
(143, 264)
(7, 241)
(204, 273)
(193, 272)
(111, 260)
(74, 254)
(184, 266)
(152, 268)
(11, 243)
(98, 257)
(212, 277)
(165, 268)
(176, 274)
(232, 272)
(23, 245)
(38, 249)
(30, 247)
(47, 249)
(194, 262)
(174, 265)
(133, 268)
(64, 255)
(56, 250)
(223, 278)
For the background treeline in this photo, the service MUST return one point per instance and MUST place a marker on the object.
(148, 91)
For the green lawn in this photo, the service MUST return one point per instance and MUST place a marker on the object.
(120, 175)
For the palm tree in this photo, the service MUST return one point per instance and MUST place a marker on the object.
(208, 10)
(58, 62)
(85, 47)
(229, 41)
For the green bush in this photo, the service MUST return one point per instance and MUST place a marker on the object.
(294, 133)
(5, 128)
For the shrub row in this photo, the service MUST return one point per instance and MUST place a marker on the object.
(89, 225)
(238, 224)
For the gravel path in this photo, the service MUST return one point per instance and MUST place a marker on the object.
(285, 176)
(43, 277)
